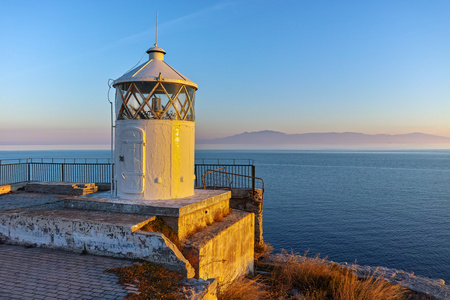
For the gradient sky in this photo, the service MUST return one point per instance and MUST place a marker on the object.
(291, 66)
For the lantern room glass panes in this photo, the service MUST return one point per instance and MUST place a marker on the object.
(155, 100)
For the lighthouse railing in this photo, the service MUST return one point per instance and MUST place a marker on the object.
(240, 173)
(56, 169)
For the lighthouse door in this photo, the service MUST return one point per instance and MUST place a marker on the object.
(131, 160)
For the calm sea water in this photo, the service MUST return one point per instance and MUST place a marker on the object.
(379, 208)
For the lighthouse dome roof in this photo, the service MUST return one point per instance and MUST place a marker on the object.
(155, 69)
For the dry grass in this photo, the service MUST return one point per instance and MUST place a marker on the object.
(153, 281)
(316, 278)
(296, 277)
(291, 277)
(244, 289)
(262, 249)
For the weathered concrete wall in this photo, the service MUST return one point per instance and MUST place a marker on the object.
(246, 200)
(224, 250)
(94, 232)
(188, 224)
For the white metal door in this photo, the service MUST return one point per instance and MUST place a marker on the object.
(131, 159)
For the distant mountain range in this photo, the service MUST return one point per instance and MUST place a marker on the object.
(276, 138)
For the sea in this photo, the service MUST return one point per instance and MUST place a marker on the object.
(378, 208)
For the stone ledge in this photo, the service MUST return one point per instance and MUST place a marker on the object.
(170, 208)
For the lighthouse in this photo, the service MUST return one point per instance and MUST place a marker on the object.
(155, 131)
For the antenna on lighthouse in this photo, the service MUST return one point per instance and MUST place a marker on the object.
(156, 43)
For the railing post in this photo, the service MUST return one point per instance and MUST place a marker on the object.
(112, 176)
(195, 173)
(253, 178)
(29, 172)
(62, 172)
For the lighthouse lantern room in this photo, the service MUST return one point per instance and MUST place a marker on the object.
(155, 131)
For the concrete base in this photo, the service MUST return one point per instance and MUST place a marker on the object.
(219, 245)
(184, 215)
(224, 250)
(94, 232)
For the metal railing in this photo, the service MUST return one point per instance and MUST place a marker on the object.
(225, 161)
(240, 174)
(225, 181)
(14, 172)
(232, 180)
(64, 169)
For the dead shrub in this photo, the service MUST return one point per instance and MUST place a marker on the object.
(153, 281)
(316, 278)
(262, 249)
(243, 289)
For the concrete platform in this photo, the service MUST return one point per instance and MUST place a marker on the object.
(184, 215)
(102, 225)
(171, 208)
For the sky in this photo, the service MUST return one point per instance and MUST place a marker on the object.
(290, 66)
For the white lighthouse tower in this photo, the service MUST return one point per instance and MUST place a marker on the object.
(155, 131)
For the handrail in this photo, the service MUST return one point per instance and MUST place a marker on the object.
(82, 170)
(226, 161)
(234, 174)
(8, 161)
(212, 171)
(237, 176)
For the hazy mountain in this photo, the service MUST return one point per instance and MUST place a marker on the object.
(276, 138)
